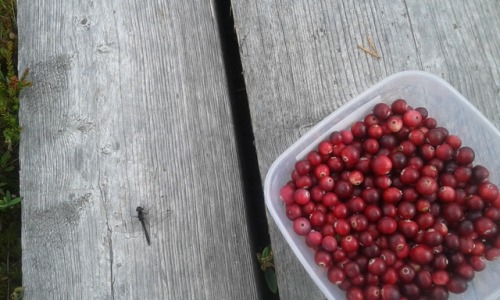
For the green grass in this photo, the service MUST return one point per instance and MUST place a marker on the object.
(10, 203)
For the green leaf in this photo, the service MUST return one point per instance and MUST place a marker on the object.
(266, 251)
(5, 157)
(271, 280)
(14, 201)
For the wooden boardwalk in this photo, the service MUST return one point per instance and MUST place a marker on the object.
(130, 107)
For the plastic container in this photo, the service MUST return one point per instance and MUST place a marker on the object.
(447, 106)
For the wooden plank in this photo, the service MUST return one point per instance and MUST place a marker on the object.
(301, 62)
(129, 106)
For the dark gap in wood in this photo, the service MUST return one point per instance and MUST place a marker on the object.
(247, 154)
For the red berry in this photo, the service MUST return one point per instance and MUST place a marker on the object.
(381, 165)
(464, 156)
(399, 106)
(387, 225)
(382, 111)
(301, 226)
(325, 148)
(421, 254)
(377, 266)
(456, 284)
(323, 259)
(440, 277)
(301, 196)
(349, 243)
(394, 123)
(426, 186)
(412, 118)
(406, 273)
(293, 211)
(314, 239)
(286, 194)
(336, 275)
(488, 191)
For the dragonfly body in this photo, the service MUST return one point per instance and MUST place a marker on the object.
(140, 215)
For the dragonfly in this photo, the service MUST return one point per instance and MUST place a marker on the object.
(140, 215)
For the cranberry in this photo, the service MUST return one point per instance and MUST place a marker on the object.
(412, 118)
(358, 222)
(372, 292)
(398, 160)
(304, 181)
(399, 106)
(373, 213)
(293, 211)
(421, 254)
(342, 227)
(301, 226)
(408, 228)
(429, 123)
(381, 164)
(425, 220)
(323, 259)
(416, 137)
(446, 194)
(423, 279)
(426, 186)
(464, 156)
(321, 170)
(325, 148)
(387, 225)
(484, 227)
(349, 243)
(466, 245)
(336, 275)
(350, 154)
(409, 175)
(365, 239)
(440, 277)
(456, 284)
(343, 189)
(347, 136)
(406, 273)
(406, 210)
(480, 173)
(465, 271)
(492, 253)
(387, 142)
(383, 181)
(354, 293)
(436, 136)
(453, 212)
(444, 152)
(329, 243)
(390, 292)
(356, 204)
(438, 292)
(488, 191)
(392, 195)
(478, 263)
(432, 238)
(440, 262)
(317, 218)
(462, 174)
(377, 266)
(382, 111)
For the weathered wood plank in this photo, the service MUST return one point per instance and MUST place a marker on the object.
(301, 62)
(129, 106)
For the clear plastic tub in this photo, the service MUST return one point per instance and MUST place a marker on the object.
(446, 105)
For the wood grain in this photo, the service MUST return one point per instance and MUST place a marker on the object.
(129, 107)
(301, 62)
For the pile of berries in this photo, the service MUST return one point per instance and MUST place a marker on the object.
(394, 207)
